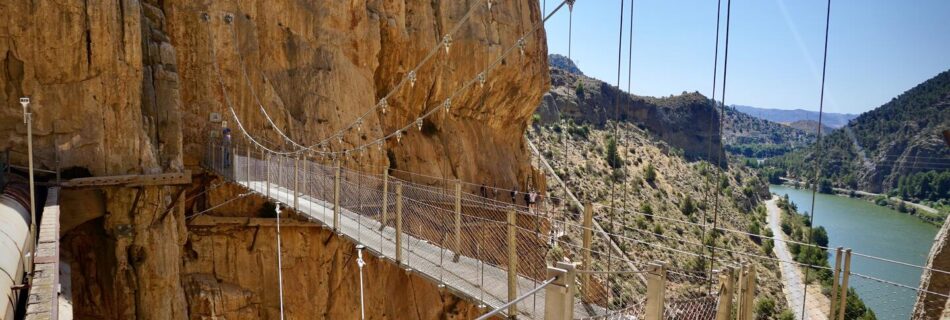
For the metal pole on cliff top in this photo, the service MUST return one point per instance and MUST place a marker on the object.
(28, 120)
(280, 271)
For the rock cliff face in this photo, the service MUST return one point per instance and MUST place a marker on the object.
(687, 121)
(128, 87)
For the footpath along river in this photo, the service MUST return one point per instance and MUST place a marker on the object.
(877, 231)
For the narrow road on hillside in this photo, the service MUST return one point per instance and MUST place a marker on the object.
(792, 284)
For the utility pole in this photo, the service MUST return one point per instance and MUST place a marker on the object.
(28, 120)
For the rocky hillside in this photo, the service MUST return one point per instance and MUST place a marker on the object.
(686, 121)
(810, 126)
(900, 138)
(130, 87)
(660, 210)
(754, 137)
(562, 62)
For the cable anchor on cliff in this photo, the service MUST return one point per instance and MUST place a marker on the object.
(447, 42)
(383, 104)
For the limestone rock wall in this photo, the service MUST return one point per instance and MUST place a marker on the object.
(230, 271)
(317, 67)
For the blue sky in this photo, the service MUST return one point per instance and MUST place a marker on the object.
(877, 48)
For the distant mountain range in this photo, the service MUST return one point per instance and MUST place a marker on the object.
(833, 120)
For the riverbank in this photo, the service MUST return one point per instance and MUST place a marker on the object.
(791, 275)
(921, 211)
(876, 231)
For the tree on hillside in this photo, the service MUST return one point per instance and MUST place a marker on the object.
(649, 174)
(688, 206)
(824, 186)
(820, 236)
(613, 158)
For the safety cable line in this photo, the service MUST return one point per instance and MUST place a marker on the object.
(218, 205)
(512, 302)
(821, 109)
(410, 76)
(250, 86)
(444, 105)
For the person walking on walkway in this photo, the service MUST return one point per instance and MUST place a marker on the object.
(226, 145)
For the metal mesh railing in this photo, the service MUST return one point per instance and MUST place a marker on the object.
(468, 248)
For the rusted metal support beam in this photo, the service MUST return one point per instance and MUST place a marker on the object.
(133, 180)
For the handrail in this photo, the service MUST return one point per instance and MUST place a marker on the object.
(531, 292)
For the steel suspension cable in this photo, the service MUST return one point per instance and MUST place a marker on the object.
(614, 160)
(711, 119)
(626, 177)
(821, 108)
(720, 154)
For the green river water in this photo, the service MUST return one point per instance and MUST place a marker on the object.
(877, 231)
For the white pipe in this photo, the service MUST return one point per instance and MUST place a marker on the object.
(14, 244)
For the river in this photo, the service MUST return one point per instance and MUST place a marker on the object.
(872, 230)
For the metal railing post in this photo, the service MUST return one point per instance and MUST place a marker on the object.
(656, 290)
(559, 295)
(727, 282)
(297, 183)
(398, 223)
(336, 198)
(385, 208)
(267, 171)
(834, 283)
(247, 160)
(234, 167)
(512, 262)
(588, 224)
(844, 284)
(214, 164)
(280, 171)
(458, 221)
